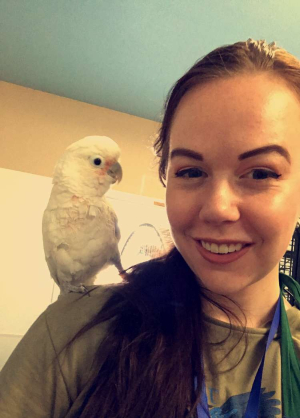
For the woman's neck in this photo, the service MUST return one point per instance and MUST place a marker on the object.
(257, 302)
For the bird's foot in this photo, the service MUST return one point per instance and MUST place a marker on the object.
(122, 274)
(69, 288)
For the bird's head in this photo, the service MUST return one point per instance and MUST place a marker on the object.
(89, 166)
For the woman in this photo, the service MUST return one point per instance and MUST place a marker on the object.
(185, 335)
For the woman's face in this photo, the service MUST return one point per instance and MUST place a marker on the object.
(225, 186)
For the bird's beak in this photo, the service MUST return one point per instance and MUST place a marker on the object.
(115, 171)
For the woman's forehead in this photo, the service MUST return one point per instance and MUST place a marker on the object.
(239, 110)
(252, 95)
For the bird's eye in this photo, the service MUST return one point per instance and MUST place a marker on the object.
(96, 160)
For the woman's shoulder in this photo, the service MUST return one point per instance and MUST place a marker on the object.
(94, 297)
(40, 373)
(74, 310)
(293, 315)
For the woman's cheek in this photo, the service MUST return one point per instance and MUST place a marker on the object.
(181, 210)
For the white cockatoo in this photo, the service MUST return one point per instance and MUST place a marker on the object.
(80, 229)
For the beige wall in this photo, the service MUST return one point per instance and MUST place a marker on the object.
(36, 127)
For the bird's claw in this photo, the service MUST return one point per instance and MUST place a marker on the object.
(73, 289)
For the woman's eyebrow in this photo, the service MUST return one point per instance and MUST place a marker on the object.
(185, 152)
(267, 150)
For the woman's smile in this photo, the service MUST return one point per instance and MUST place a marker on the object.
(218, 255)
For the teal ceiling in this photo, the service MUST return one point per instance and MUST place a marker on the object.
(126, 54)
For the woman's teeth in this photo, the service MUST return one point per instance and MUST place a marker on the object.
(221, 249)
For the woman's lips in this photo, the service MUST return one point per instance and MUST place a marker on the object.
(223, 258)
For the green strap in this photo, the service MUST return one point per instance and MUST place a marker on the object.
(290, 364)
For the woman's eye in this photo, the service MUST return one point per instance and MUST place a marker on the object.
(257, 174)
(189, 173)
(261, 174)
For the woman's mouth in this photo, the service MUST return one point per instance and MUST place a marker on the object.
(222, 254)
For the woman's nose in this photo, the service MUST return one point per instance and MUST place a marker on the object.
(220, 204)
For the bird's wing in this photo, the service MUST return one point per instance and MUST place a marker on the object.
(108, 212)
(116, 225)
(60, 228)
(61, 224)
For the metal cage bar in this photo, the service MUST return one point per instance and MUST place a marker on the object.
(290, 262)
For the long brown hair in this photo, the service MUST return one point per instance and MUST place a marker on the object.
(146, 365)
(157, 333)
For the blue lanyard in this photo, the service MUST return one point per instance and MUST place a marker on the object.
(254, 398)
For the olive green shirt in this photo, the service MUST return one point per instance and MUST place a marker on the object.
(228, 390)
(34, 385)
